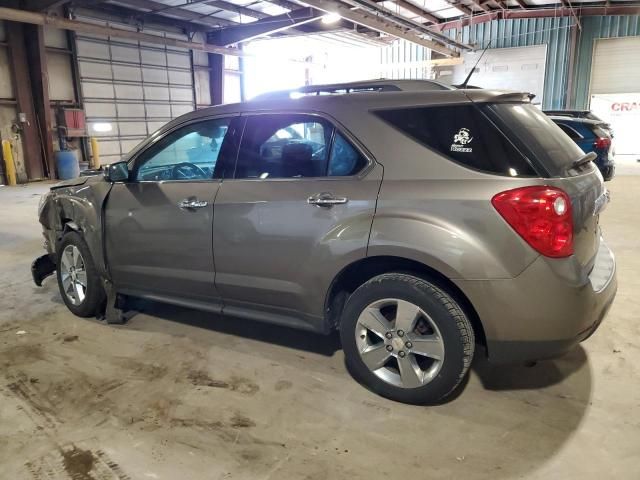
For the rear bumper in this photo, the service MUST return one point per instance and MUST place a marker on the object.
(539, 314)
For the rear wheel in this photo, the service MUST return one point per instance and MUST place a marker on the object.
(78, 279)
(406, 339)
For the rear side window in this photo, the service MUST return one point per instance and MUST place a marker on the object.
(538, 136)
(573, 135)
(462, 133)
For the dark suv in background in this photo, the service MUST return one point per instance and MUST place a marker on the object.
(591, 136)
(415, 219)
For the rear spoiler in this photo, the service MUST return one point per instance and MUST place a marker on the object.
(498, 96)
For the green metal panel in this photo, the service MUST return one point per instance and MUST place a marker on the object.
(525, 32)
(592, 29)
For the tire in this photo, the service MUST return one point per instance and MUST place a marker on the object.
(428, 361)
(93, 298)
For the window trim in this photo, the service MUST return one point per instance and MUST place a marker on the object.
(337, 127)
(132, 162)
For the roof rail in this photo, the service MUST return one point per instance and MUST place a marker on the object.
(368, 86)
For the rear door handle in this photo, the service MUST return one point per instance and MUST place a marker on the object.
(189, 203)
(326, 199)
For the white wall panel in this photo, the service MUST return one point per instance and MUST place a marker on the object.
(133, 86)
(130, 110)
(95, 70)
(182, 94)
(155, 75)
(162, 110)
(6, 86)
(156, 93)
(616, 66)
(514, 68)
(154, 57)
(177, 110)
(180, 77)
(127, 73)
(96, 90)
(127, 91)
(100, 110)
(179, 60)
(91, 49)
(60, 78)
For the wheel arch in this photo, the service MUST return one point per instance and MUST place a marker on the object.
(362, 270)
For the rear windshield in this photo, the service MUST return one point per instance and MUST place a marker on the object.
(464, 134)
(537, 136)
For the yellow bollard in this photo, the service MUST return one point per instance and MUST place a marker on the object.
(95, 153)
(10, 168)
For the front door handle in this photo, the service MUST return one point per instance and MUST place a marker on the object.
(326, 199)
(189, 203)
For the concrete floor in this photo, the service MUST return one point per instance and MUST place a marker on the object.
(182, 394)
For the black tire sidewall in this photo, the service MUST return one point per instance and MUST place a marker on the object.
(428, 297)
(94, 296)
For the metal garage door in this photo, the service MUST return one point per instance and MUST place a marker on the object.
(519, 68)
(131, 88)
(616, 65)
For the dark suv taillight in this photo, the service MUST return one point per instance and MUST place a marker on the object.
(541, 215)
(602, 143)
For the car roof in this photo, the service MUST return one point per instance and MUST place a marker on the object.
(368, 86)
(586, 121)
(338, 106)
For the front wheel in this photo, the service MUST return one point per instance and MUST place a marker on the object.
(78, 278)
(406, 339)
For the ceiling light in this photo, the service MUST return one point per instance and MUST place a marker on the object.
(331, 18)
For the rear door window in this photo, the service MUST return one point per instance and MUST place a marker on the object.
(284, 146)
(295, 146)
(463, 134)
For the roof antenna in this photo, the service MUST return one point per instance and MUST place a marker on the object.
(466, 80)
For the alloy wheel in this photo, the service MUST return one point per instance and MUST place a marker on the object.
(73, 274)
(400, 343)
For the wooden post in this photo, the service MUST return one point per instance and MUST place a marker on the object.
(22, 87)
(36, 54)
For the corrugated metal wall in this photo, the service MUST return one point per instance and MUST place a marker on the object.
(554, 32)
(405, 60)
(592, 29)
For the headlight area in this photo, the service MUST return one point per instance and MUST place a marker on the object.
(43, 201)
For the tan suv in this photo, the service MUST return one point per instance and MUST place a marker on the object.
(417, 219)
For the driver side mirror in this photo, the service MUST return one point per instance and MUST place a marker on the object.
(117, 172)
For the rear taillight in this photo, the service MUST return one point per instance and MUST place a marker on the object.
(602, 143)
(541, 216)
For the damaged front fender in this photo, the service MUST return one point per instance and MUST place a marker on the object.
(76, 205)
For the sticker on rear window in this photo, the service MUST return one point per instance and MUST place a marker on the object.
(460, 139)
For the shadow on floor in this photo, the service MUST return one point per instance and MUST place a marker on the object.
(241, 327)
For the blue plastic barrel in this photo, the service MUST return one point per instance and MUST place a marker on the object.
(67, 164)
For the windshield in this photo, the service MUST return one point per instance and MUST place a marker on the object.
(537, 136)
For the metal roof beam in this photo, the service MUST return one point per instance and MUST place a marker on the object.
(267, 26)
(619, 9)
(14, 15)
(376, 23)
(413, 8)
(151, 6)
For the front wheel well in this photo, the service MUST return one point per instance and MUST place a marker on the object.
(359, 272)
